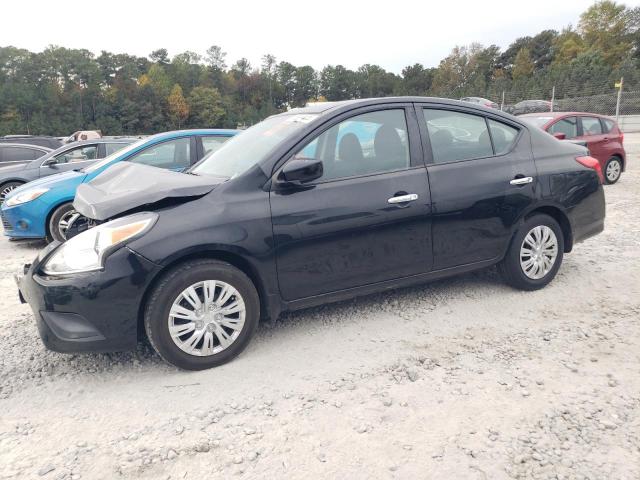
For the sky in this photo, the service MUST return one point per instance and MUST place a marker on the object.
(392, 34)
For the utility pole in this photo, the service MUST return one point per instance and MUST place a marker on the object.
(619, 86)
(553, 97)
(502, 104)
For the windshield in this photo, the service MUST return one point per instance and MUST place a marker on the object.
(249, 148)
(105, 161)
(537, 121)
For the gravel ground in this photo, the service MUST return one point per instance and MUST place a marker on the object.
(464, 378)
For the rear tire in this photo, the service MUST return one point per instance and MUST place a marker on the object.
(612, 170)
(7, 188)
(531, 264)
(178, 303)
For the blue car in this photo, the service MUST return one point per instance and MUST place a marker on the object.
(44, 208)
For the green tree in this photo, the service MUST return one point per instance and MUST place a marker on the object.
(608, 28)
(523, 66)
(205, 107)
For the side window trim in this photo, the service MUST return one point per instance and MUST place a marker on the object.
(426, 141)
(415, 149)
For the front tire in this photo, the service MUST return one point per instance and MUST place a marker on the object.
(61, 220)
(535, 254)
(613, 170)
(202, 314)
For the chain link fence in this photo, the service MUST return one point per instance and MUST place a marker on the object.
(604, 100)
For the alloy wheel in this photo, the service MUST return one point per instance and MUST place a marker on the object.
(206, 318)
(538, 252)
(6, 191)
(613, 170)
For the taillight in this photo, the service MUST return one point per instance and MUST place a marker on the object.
(621, 136)
(592, 163)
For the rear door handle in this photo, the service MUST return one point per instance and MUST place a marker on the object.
(410, 197)
(521, 181)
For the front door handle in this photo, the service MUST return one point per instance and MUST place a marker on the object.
(521, 180)
(410, 197)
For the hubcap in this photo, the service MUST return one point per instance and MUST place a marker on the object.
(538, 252)
(613, 170)
(6, 191)
(206, 318)
(67, 221)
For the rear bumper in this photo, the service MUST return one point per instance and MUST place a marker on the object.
(587, 217)
(92, 312)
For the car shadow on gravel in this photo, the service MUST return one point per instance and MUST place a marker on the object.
(30, 361)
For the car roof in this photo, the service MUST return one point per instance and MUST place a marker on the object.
(564, 114)
(26, 145)
(195, 131)
(325, 107)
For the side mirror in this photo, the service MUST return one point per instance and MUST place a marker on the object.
(298, 172)
(50, 163)
(560, 136)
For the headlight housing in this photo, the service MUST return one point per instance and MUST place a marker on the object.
(87, 251)
(26, 196)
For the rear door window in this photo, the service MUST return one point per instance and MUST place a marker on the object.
(174, 154)
(568, 126)
(591, 126)
(20, 154)
(457, 136)
(211, 144)
(113, 147)
(607, 125)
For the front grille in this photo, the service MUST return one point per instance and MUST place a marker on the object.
(5, 223)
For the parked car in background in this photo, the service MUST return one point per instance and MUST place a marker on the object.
(43, 208)
(480, 101)
(602, 136)
(69, 157)
(530, 106)
(299, 211)
(18, 153)
(41, 141)
(81, 135)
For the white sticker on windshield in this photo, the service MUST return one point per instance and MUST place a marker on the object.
(300, 118)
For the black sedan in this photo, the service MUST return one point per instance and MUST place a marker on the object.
(310, 206)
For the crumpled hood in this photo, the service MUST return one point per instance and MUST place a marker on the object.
(125, 186)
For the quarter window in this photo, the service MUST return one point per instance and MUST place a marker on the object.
(366, 144)
(591, 126)
(174, 154)
(457, 136)
(568, 126)
(502, 135)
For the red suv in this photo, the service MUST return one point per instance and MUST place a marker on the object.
(601, 134)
